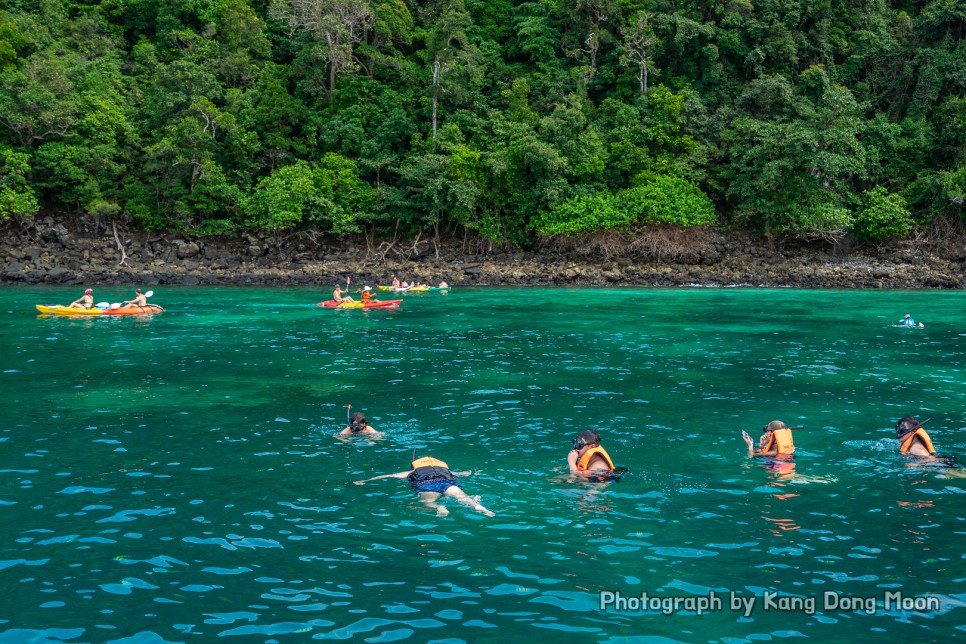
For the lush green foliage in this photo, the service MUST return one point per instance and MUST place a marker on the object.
(882, 216)
(510, 118)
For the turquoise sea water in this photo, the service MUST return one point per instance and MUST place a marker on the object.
(175, 478)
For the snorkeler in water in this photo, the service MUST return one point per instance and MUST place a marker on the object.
(913, 439)
(588, 459)
(776, 441)
(431, 478)
(358, 425)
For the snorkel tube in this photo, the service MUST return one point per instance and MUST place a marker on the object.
(907, 430)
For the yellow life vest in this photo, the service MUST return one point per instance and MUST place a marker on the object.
(781, 439)
(907, 441)
(584, 462)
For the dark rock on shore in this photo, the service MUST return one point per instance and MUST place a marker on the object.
(51, 253)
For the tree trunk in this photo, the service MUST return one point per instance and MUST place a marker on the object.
(437, 68)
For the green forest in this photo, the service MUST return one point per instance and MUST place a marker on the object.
(513, 120)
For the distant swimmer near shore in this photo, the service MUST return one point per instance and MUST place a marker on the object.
(910, 323)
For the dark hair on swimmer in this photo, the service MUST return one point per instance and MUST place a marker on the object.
(909, 424)
(358, 422)
(586, 437)
(773, 425)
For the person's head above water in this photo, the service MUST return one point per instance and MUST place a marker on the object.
(908, 424)
(358, 422)
(774, 425)
(585, 438)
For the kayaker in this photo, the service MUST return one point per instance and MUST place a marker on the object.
(366, 296)
(431, 478)
(358, 425)
(395, 282)
(588, 459)
(338, 297)
(85, 301)
(776, 441)
(139, 299)
(443, 284)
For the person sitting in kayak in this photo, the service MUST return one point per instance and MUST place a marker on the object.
(338, 297)
(913, 439)
(139, 299)
(588, 459)
(358, 425)
(366, 296)
(85, 301)
(395, 282)
(443, 284)
(776, 441)
(431, 478)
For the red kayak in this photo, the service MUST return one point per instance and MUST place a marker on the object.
(134, 310)
(372, 304)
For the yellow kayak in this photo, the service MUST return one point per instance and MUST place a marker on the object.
(57, 309)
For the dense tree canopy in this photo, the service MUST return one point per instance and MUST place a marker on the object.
(511, 118)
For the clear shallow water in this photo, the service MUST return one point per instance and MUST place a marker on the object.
(176, 478)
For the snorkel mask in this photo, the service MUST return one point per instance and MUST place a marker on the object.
(580, 442)
(903, 430)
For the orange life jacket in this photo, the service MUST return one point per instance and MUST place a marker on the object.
(780, 439)
(584, 461)
(365, 296)
(907, 441)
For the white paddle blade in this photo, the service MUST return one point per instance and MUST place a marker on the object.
(103, 305)
(115, 305)
(149, 294)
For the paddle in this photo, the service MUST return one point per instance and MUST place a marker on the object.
(347, 410)
(103, 305)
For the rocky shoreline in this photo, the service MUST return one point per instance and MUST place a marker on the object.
(48, 252)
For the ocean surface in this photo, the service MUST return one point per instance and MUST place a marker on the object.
(176, 478)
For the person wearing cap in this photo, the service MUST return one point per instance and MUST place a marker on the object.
(431, 478)
(776, 441)
(85, 301)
